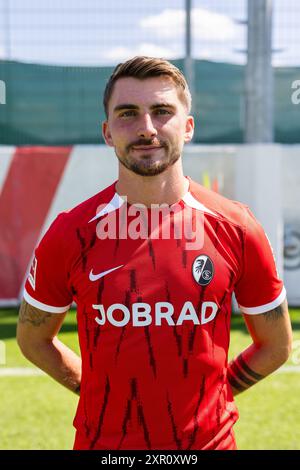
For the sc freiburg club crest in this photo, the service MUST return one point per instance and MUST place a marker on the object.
(203, 270)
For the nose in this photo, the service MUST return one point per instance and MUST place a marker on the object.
(146, 127)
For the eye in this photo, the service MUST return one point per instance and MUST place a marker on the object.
(163, 111)
(128, 113)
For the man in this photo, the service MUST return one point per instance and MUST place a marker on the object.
(154, 311)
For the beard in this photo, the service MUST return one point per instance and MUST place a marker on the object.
(146, 165)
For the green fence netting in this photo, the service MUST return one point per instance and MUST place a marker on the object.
(57, 105)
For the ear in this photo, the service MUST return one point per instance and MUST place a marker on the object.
(106, 134)
(189, 129)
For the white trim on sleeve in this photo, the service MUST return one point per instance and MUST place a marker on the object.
(41, 306)
(266, 307)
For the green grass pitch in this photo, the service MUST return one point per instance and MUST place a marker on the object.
(37, 413)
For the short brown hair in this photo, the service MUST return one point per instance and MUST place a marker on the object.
(143, 67)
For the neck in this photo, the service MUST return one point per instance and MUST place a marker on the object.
(166, 188)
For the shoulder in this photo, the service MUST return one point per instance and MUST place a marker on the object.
(84, 212)
(220, 207)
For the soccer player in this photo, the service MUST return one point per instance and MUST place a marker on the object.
(154, 296)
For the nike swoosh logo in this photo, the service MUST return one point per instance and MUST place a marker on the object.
(95, 277)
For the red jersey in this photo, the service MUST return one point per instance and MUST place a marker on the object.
(154, 314)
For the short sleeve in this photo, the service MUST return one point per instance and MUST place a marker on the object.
(259, 288)
(47, 286)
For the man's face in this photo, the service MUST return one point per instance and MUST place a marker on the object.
(147, 124)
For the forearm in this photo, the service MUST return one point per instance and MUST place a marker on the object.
(252, 365)
(57, 360)
(37, 338)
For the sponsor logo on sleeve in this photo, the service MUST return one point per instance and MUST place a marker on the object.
(32, 273)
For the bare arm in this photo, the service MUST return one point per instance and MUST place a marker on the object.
(271, 334)
(37, 338)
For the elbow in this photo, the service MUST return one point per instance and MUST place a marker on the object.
(282, 354)
(26, 344)
(288, 349)
(29, 349)
(32, 347)
(19, 338)
(288, 346)
(286, 354)
(23, 344)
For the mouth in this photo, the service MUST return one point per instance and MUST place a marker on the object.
(147, 148)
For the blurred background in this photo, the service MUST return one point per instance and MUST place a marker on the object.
(242, 62)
